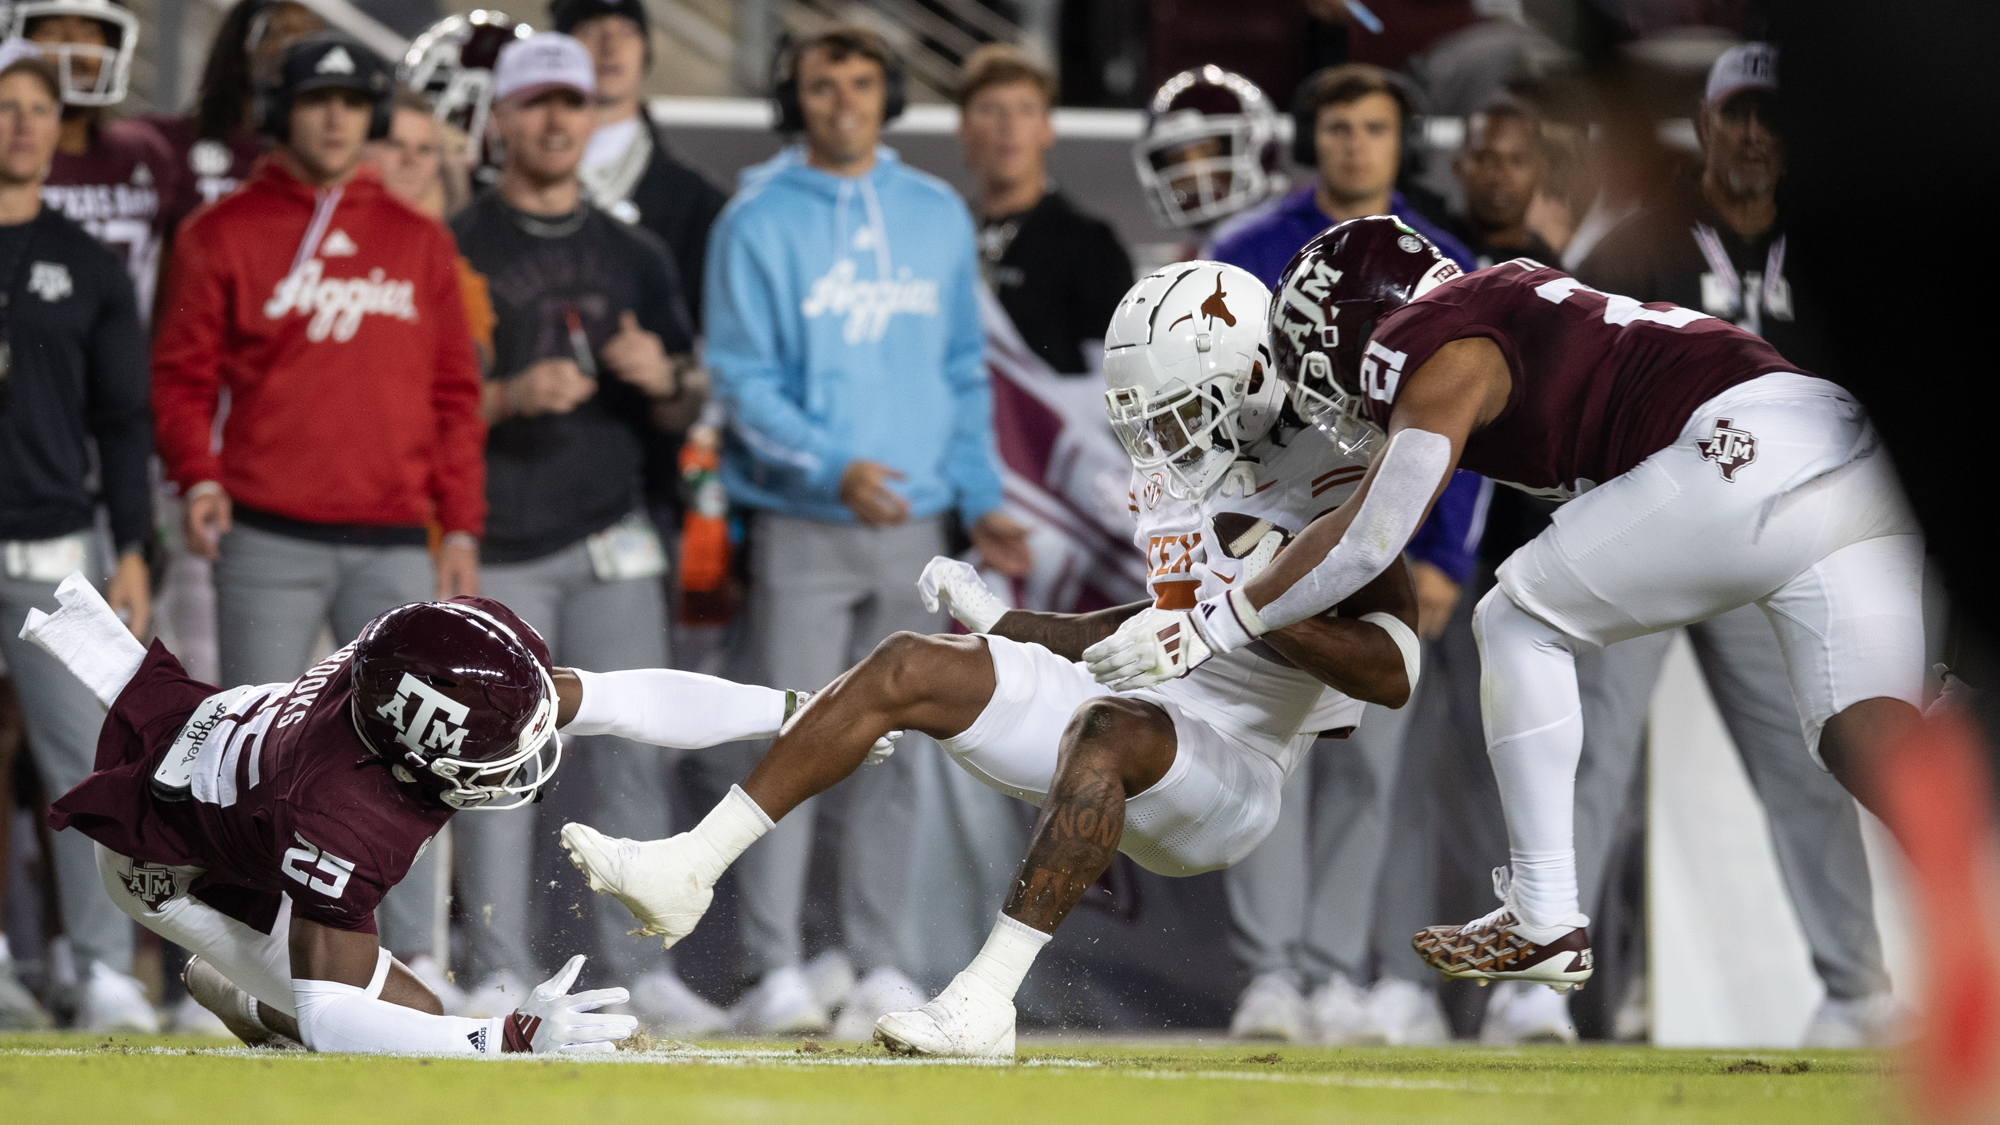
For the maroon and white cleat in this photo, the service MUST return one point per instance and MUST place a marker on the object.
(1501, 946)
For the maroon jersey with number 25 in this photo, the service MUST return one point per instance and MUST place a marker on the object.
(1601, 382)
(285, 799)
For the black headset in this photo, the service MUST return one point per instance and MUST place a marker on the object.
(1305, 123)
(371, 76)
(785, 85)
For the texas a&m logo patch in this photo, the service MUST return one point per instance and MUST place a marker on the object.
(1729, 448)
(151, 884)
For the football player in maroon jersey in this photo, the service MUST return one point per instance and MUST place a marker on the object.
(108, 175)
(259, 827)
(1703, 472)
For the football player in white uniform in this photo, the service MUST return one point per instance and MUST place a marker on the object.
(1184, 777)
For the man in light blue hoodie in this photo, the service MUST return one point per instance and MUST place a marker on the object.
(844, 339)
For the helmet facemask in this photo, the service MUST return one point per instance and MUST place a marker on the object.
(1189, 434)
(1320, 399)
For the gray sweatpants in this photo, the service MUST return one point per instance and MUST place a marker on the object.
(63, 718)
(1815, 826)
(822, 596)
(1300, 904)
(601, 627)
(272, 594)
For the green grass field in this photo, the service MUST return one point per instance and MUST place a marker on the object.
(50, 1078)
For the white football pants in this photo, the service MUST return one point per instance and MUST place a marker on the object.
(260, 964)
(1809, 524)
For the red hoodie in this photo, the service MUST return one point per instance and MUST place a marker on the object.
(334, 318)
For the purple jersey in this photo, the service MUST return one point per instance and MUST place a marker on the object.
(114, 191)
(1601, 382)
(285, 797)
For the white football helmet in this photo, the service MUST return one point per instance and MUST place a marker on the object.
(451, 64)
(91, 75)
(1190, 377)
(1210, 148)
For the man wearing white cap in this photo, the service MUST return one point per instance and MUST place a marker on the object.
(590, 355)
(1718, 245)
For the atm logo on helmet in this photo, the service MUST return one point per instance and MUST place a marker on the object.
(437, 724)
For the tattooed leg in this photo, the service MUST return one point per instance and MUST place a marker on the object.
(934, 684)
(1113, 749)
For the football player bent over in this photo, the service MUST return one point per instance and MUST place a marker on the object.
(1702, 471)
(1185, 776)
(259, 827)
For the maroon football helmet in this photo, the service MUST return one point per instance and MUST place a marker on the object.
(458, 696)
(1210, 148)
(451, 65)
(1324, 312)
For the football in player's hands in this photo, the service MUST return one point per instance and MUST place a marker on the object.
(955, 587)
(1152, 646)
(551, 1020)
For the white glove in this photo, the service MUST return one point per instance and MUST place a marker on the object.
(957, 587)
(551, 1020)
(1266, 550)
(795, 702)
(1151, 646)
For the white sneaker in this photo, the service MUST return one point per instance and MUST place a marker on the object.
(1338, 1014)
(666, 1005)
(190, 1018)
(882, 991)
(1406, 1014)
(1526, 1013)
(113, 1001)
(1870, 1021)
(969, 1018)
(655, 879)
(831, 977)
(19, 1010)
(1633, 1022)
(780, 1004)
(438, 980)
(1271, 1008)
(497, 995)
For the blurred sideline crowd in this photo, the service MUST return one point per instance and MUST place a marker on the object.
(353, 332)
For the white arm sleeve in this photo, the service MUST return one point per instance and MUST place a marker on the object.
(343, 1019)
(1411, 469)
(684, 710)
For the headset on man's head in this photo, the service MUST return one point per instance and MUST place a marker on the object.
(785, 78)
(1409, 101)
(370, 73)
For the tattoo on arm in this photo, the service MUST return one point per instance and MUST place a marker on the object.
(1065, 634)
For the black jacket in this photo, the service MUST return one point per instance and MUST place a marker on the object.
(77, 374)
(1060, 275)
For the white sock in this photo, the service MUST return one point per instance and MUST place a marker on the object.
(1008, 953)
(735, 823)
(1534, 737)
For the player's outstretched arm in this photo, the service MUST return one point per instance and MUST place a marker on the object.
(1460, 389)
(1065, 634)
(352, 997)
(1370, 652)
(666, 707)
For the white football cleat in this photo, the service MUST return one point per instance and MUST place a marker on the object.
(882, 991)
(969, 1019)
(780, 1004)
(1270, 1008)
(657, 880)
(1406, 1014)
(113, 1001)
(666, 1005)
(1521, 1012)
(1338, 1014)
